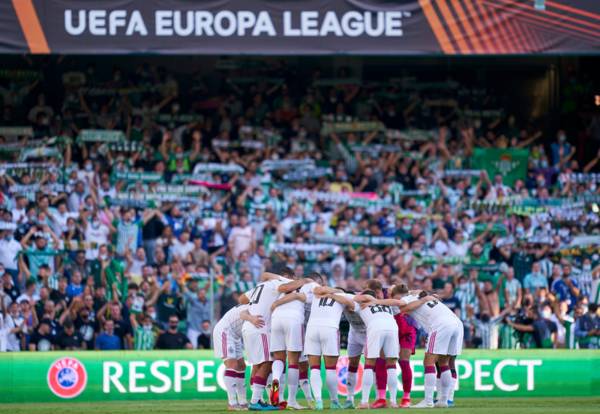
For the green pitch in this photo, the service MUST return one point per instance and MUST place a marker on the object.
(470, 405)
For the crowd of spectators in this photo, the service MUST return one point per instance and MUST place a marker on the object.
(136, 206)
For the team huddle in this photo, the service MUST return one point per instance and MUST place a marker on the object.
(296, 321)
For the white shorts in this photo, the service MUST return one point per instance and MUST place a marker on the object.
(322, 340)
(257, 347)
(287, 335)
(386, 341)
(446, 339)
(356, 342)
(227, 345)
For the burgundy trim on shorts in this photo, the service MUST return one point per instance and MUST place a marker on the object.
(224, 344)
(265, 343)
(431, 343)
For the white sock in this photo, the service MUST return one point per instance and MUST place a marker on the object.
(282, 383)
(240, 389)
(392, 383)
(230, 386)
(292, 383)
(305, 385)
(316, 384)
(438, 387)
(269, 380)
(277, 369)
(429, 387)
(332, 382)
(452, 388)
(257, 392)
(367, 383)
(350, 385)
(446, 380)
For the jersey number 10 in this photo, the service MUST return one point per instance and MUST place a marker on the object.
(255, 298)
(326, 302)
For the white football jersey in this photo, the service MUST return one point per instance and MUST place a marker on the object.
(325, 311)
(431, 314)
(295, 308)
(231, 320)
(377, 317)
(261, 298)
(355, 321)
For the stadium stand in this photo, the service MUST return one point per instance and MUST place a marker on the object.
(136, 194)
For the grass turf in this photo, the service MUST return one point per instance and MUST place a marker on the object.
(463, 406)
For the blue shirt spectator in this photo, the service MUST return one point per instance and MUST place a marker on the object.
(535, 279)
(107, 340)
(587, 328)
(566, 289)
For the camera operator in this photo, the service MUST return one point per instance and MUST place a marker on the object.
(538, 324)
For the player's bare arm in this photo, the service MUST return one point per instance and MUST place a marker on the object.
(365, 300)
(290, 297)
(414, 305)
(325, 290)
(348, 303)
(255, 320)
(291, 286)
(243, 299)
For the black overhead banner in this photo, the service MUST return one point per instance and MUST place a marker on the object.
(401, 27)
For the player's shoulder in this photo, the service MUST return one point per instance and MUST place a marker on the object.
(309, 287)
(409, 298)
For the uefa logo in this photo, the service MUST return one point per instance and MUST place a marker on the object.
(342, 375)
(67, 377)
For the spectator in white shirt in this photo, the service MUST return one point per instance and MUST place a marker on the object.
(14, 323)
(242, 238)
(9, 252)
(182, 247)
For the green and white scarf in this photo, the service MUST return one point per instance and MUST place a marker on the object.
(358, 240)
(218, 168)
(101, 135)
(305, 247)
